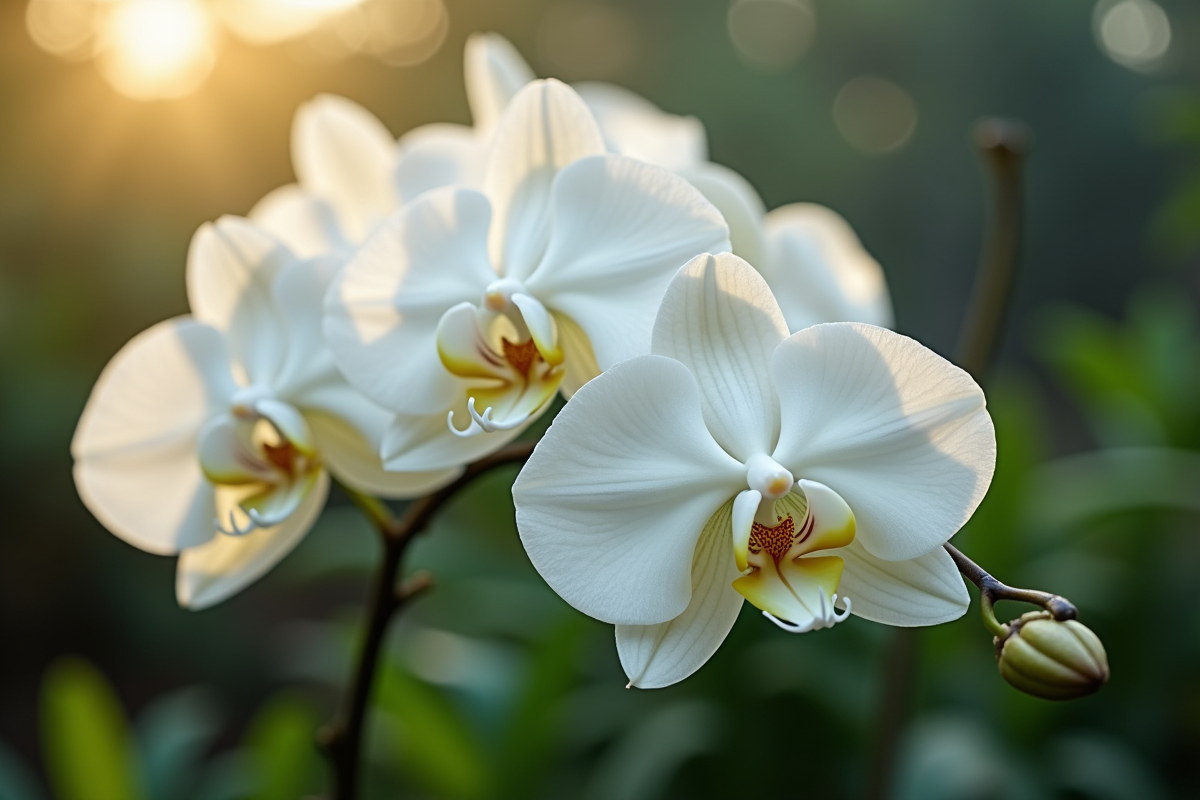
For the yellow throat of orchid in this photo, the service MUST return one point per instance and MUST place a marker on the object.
(778, 528)
(261, 458)
(507, 351)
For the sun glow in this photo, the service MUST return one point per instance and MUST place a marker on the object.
(163, 49)
(152, 49)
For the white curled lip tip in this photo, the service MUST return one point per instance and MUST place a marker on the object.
(234, 528)
(826, 618)
(482, 423)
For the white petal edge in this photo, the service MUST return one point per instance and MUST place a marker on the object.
(545, 128)
(616, 494)
(231, 270)
(307, 225)
(417, 442)
(355, 463)
(635, 127)
(654, 656)
(494, 72)
(719, 319)
(213, 572)
(899, 432)
(622, 229)
(739, 204)
(345, 156)
(437, 155)
(926, 590)
(819, 270)
(382, 312)
(136, 466)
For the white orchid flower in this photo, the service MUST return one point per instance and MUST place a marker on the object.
(213, 435)
(813, 475)
(352, 173)
(344, 160)
(811, 257)
(468, 310)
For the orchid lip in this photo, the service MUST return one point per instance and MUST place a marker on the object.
(482, 423)
(234, 529)
(826, 618)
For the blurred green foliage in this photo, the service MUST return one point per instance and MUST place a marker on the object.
(89, 748)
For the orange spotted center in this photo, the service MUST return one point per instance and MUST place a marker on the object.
(282, 456)
(522, 356)
(777, 541)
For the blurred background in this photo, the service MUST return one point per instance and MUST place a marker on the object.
(125, 124)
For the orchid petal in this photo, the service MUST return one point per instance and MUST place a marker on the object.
(579, 360)
(134, 448)
(622, 229)
(306, 224)
(745, 506)
(635, 127)
(462, 345)
(382, 312)
(224, 449)
(901, 434)
(437, 155)
(738, 203)
(654, 656)
(819, 270)
(614, 499)
(344, 155)
(224, 566)
(494, 72)
(356, 463)
(926, 590)
(299, 295)
(231, 269)
(415, 443)
(718, 317)
(833, 523)
(545, 128)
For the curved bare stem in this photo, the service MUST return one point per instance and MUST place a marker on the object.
(991, 590)
(342, 740)
(1003, 145)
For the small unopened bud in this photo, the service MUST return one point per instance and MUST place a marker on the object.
(1050, 659)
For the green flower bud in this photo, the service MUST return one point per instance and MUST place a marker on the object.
(1050, 659)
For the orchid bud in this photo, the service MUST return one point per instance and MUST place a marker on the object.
(1050, 659)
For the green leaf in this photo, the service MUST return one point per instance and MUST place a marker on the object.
(88, 748)
(281, 743)
(437, 745)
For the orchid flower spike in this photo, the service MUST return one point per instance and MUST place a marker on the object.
(468, 310)
(214, 435)
(813, 475)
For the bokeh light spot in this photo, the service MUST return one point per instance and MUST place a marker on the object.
(62, 27)
(579, 39)
(1133, 33)
(772, 34)
(157, 49)
(875, 115)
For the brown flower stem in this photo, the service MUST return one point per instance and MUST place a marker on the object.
(342, 739)
(992, 590)
(1003, 145)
